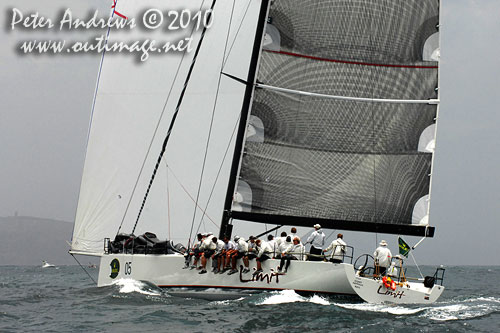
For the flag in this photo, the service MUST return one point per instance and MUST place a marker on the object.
(404, 248)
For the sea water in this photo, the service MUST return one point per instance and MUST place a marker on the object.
(64, 299)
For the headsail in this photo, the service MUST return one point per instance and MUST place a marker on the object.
(132, 114)
(353, 164)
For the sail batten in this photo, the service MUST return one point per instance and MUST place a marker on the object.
(339, 123)
(350, 98)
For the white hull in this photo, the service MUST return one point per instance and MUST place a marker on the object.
(167, 271)
(374, 291)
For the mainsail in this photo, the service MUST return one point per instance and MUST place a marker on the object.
(342, 121)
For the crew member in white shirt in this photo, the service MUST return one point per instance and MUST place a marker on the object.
(317, 241)
(208, 247)
(272, 244)
(218, 256)
(264, 252)
(280, 240)
(228, 251)
(338, 249)
(242, 253)
(293, 252)
(382, 257)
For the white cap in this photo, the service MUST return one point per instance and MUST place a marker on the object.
(383, 243)
(317, 226)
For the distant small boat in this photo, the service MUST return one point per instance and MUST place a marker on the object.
(91, 265)
(47, 265)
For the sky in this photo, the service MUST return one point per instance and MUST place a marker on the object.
(45, 112)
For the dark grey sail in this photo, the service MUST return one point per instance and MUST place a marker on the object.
(345, 91)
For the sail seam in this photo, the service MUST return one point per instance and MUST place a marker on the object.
(349, 62)
(398, 153)
(349, 98)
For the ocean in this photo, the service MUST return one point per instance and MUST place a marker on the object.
(64, 299)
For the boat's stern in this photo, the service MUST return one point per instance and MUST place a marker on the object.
(374, 290)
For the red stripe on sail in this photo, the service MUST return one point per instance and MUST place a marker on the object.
(347, 62)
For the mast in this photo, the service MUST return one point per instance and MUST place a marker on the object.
(226, 229)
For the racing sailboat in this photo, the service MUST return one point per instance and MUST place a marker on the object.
(328, 109)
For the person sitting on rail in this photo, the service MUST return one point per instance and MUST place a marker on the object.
(217, 256)
(208, 249)
(264, 252)
(293, 252)
(284, 245)
(242, 253)
(228, 251)
(194, 251)
(252, 248)
(272, 244)
(338, 249)
(280, 240)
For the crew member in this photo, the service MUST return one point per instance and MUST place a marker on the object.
(317, 240)
(265, 251)
(382, 257)
(338, 249)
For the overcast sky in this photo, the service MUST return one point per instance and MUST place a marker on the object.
(46, 103)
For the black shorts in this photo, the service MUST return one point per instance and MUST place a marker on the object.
(208, 253)
(252, 256)
(263, 258)
(239, 255)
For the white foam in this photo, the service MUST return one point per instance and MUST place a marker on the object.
(290, 296)
(319, 300)
(229, 301)
(489, 299)
(463, 311)
(131, 285)
(382, 308)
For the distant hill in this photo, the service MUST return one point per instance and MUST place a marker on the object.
(28, 240)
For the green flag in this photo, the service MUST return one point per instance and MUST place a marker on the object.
(404, 248)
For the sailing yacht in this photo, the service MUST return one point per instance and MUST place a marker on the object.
(285, 113)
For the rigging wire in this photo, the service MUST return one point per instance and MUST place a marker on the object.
(172, 122)
(218, 173)
(189, 195)
(419, 271)
(212, 120)
(236, 35)
(156, 130)
(168, 200)
(84, 269)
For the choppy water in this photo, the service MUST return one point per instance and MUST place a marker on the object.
(65, 299)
